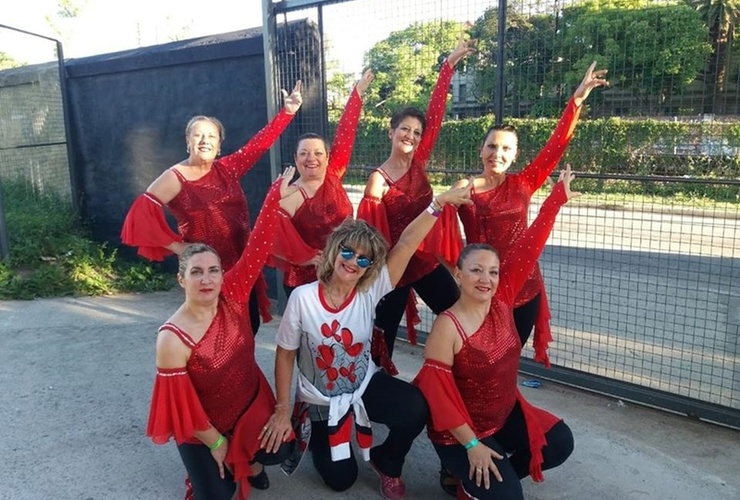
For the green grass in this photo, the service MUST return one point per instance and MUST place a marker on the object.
(51, 255)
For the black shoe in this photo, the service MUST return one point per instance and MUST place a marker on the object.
(260, 481)
(448, 482)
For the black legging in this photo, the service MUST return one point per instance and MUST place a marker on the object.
(389, 401)
(254, 312)
(203, 470)
(525, 316)
(437, 289)
(511, 439)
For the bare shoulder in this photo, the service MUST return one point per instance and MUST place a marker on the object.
(166, 186)
(376, 186)
(171, 350)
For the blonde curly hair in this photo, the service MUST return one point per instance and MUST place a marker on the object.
(354, 234)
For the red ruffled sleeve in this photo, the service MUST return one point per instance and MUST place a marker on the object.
(242, 160)
(146, 227)
(444, 241)
(289, 247)
(446, 407)
(372, 211)
(535, 174)
(175, 410)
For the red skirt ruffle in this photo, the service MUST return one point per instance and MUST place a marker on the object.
(244, 442)
(372, 211)
(176, 411)
(146, 227)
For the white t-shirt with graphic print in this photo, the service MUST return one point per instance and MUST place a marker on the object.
(333, 344)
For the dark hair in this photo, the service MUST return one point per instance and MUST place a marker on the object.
(503, 127)
(401, 114)
(472, 247)
(310, 135)
(188, 253)
(203, 118)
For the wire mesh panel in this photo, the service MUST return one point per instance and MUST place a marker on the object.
(33, 144)
(642, 272)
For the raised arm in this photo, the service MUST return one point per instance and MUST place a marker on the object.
(536, 172)
(344, 139)
(517, 264)
(412, 236)
(438, 101)
(240, 279)
(242, 160)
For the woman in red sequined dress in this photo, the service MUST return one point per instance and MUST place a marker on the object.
(205, 196)
(398, 191)
(498, 215)
(320, 203)
(482, 428)
(209, 394)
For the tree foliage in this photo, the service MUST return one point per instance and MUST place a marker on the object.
(7, 61)
(650, 49)
(406, 65)
(721, 17)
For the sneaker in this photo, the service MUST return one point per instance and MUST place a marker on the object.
(391, 488)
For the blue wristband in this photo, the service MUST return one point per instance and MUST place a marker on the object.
(471, 444)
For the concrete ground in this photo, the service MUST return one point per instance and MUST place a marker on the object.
(76, 377)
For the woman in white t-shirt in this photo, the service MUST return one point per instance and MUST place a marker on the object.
(327, 328)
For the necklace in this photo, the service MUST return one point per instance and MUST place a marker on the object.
(331, 299)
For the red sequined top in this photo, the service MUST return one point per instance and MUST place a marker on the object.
(317, 216)
(222, 366)
(485, 368)
(411, 194)
(499, 216)
(211, 210)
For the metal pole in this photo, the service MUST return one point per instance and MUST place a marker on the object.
(4, 242)
(268, 49)
(322, 75)
(498, 101)
(74, 181)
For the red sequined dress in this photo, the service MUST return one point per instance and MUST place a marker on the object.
(222, 385)
(411, 194)
(499, 217)
(304, 234)
(211, 210)
(480, 388)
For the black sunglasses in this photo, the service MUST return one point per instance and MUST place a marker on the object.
(362, 260)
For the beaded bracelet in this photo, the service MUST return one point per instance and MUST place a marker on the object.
(471, 444)
(218, 443)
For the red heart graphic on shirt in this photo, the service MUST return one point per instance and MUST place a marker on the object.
(349, 373)
(347, 338)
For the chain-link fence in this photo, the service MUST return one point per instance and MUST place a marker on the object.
(642, 272)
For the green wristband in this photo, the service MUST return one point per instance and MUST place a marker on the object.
(471, 444)
(219, 442)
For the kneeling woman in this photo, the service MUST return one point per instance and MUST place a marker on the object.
(209, 393)
(327, 327)
(482, 428)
